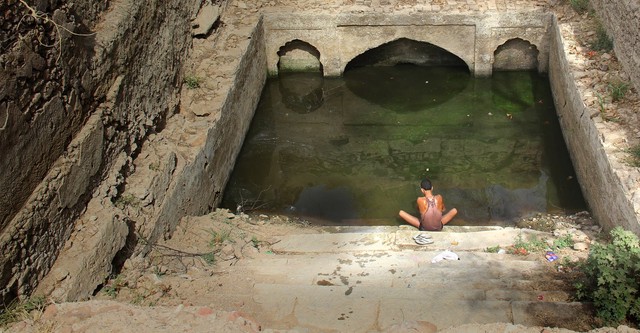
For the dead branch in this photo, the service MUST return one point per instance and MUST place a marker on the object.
(37, 15)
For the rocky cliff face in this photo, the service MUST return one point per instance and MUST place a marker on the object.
(82, 86)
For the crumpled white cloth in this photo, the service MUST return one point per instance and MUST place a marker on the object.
(445, 255)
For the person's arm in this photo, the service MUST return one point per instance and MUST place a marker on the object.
(422, 205)
(440, 203)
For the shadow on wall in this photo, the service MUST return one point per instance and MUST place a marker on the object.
(406, 51)
(515, 55)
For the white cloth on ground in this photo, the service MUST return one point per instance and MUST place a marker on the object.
(445, 255)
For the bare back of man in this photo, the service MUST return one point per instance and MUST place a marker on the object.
(423, 207)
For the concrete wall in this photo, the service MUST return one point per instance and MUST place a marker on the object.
(74, 114)
(622, 21)
(340, 38)
(606, 184)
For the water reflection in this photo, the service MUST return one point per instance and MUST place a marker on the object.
(337, 156)
(302, 92)
(407, 87)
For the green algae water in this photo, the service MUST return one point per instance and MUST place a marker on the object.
(352, 150)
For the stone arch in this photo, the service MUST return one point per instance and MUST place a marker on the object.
(514, 55)
(406, 51)
(408, 62)
(298, 56)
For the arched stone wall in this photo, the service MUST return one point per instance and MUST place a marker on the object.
(406, 51)
(282, 43)
(299, 56)
(341, 38)
(515, 54)
(536, 36)
(356, 41)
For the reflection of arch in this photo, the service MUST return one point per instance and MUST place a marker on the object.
(514, 55)
(302, 92)
(299, 56)
(407, 87)
(406, 51)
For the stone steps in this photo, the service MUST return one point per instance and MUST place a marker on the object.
(384, 239)
(333, 307)
(366, 281)
(485, 277)
(399, 269)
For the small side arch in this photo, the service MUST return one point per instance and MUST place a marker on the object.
(515, 54)
(299, 56)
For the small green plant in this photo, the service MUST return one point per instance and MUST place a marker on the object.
(601, 104)
(492, 249)
(127, 200)
(114, 286)
(218, 238)
(618, 90)
(566, 262)
(522, 246)
(580, 6)
(612, 278)
(255, 242)
(20, 310)
(138, 299)
(192, 81)
(563, 242)
(158, 271)
(635, 156)
(603, 110)
(603, 42)
(209, 258)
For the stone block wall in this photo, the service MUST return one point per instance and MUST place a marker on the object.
(622, 21)
(609, 190)
(74, 109)
(340, 38)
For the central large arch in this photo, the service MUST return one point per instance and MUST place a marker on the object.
(356, 41)
(406, 51)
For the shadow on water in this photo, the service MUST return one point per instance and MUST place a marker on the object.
(336, 152)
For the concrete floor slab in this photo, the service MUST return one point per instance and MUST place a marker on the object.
(468, 241)
(444, 313)
(345, 242)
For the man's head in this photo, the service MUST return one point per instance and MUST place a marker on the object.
(426, 184)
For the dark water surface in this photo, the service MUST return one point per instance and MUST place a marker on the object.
(352, 150)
